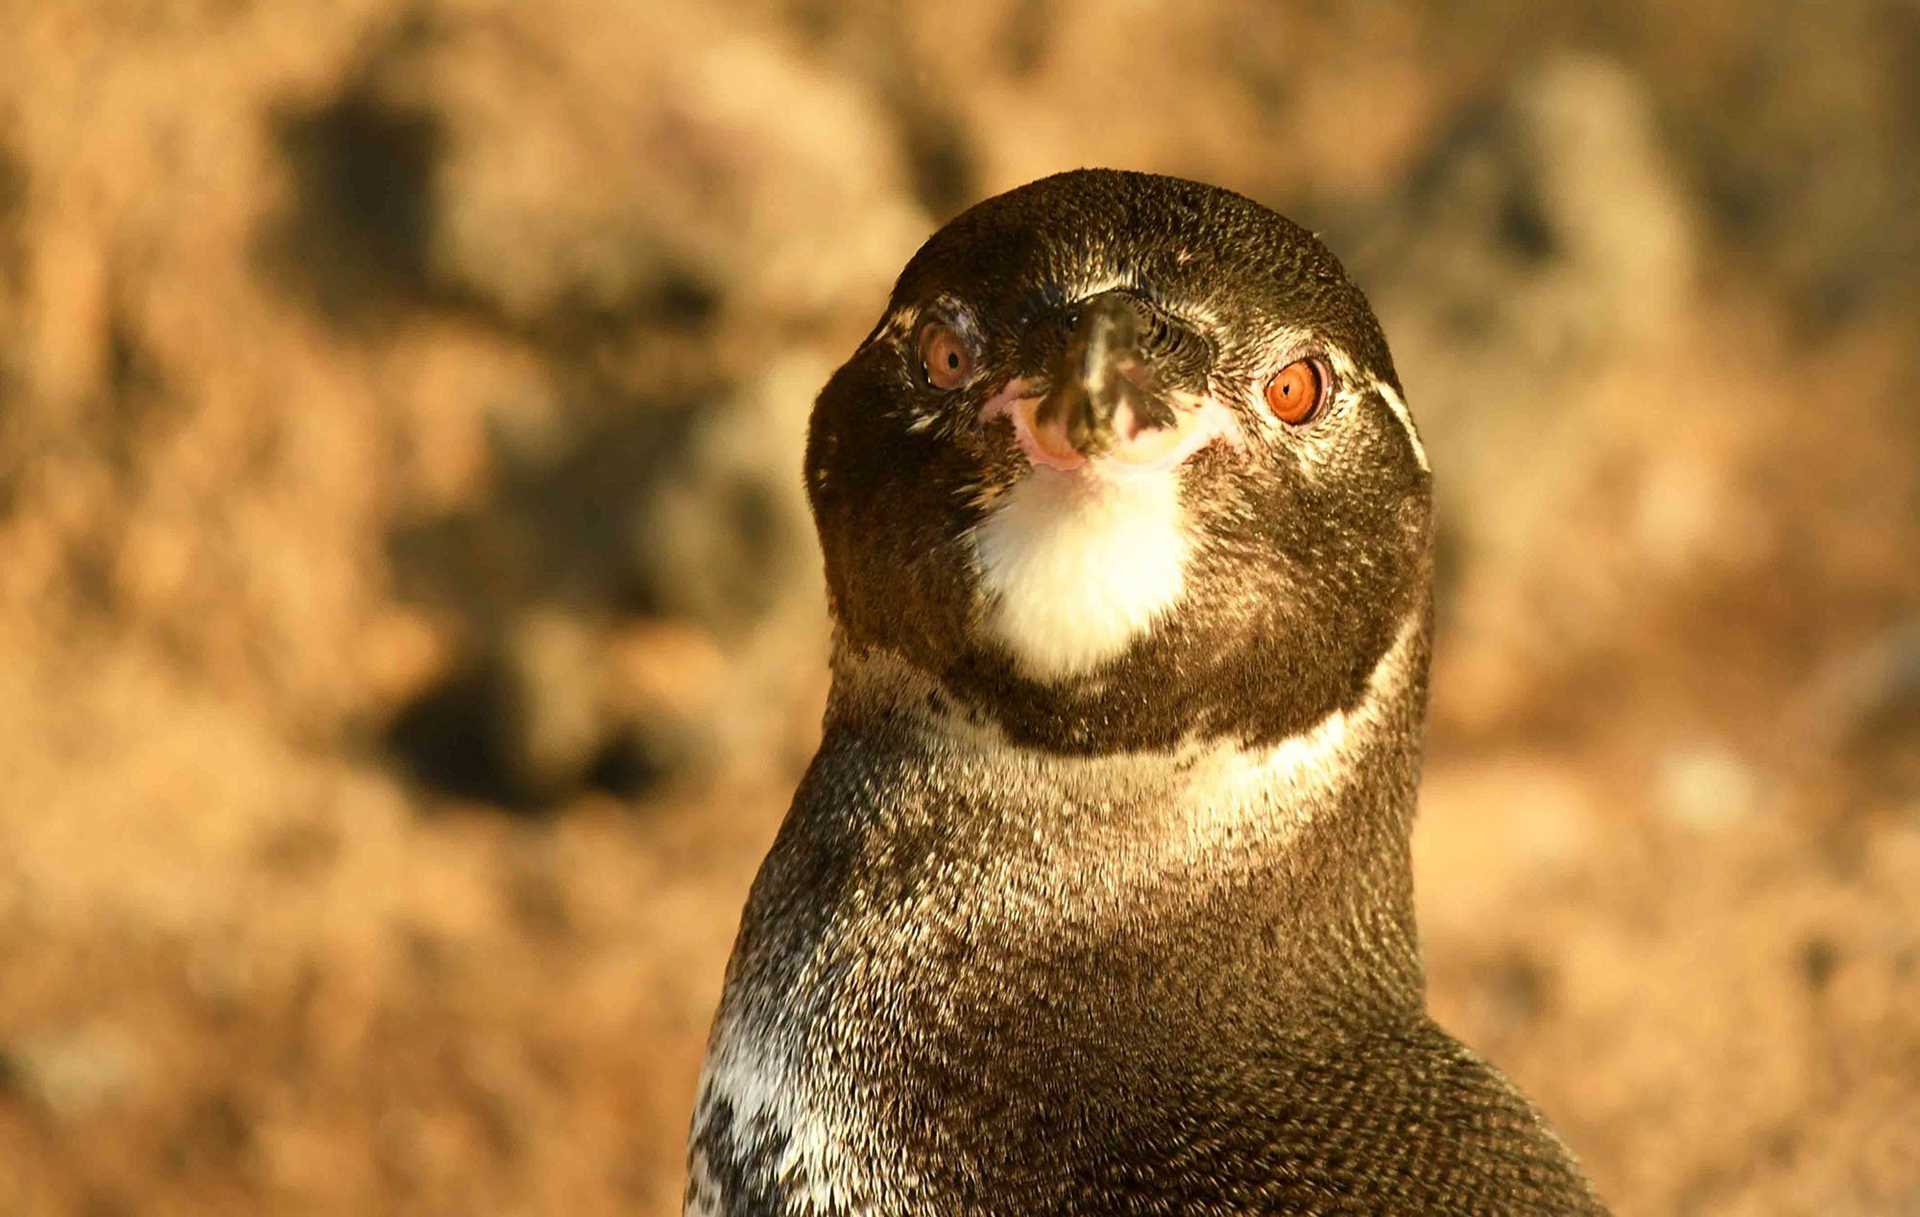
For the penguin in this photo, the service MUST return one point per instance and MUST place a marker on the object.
(1097, 896)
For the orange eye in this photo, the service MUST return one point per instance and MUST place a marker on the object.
(1294, 394)
(945, 356)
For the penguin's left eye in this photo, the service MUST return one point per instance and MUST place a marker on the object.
(1296, 391)
(945, 356)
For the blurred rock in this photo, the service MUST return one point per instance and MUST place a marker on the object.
(1546, 235)
(72, 1074)
(724, 536)
(1790, 129)
(640, 189)
(1706, 787)
(554, 701)
(1863, 708)
(521, 725)
(1545, 230)
(694, 517)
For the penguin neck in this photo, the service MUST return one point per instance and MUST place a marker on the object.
(1283, 867)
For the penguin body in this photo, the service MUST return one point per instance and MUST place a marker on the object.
(1096, 898)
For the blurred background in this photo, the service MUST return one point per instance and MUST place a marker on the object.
(411, 628)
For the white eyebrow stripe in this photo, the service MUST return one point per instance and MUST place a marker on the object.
(1398, 405)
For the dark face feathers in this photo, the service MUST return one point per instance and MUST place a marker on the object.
(1111, 294)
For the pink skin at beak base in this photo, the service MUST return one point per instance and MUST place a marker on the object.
(1143, 449)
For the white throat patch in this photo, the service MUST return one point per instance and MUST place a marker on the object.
(1077, 565)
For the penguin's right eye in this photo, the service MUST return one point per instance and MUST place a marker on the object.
(945, 357)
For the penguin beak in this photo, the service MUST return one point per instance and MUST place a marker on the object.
(1110, 395)
(1103, 392)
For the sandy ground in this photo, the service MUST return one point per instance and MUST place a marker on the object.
(410, 628)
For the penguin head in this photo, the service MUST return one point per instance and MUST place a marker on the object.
(1125, 463)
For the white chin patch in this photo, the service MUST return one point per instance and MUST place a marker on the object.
(1077, 565)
